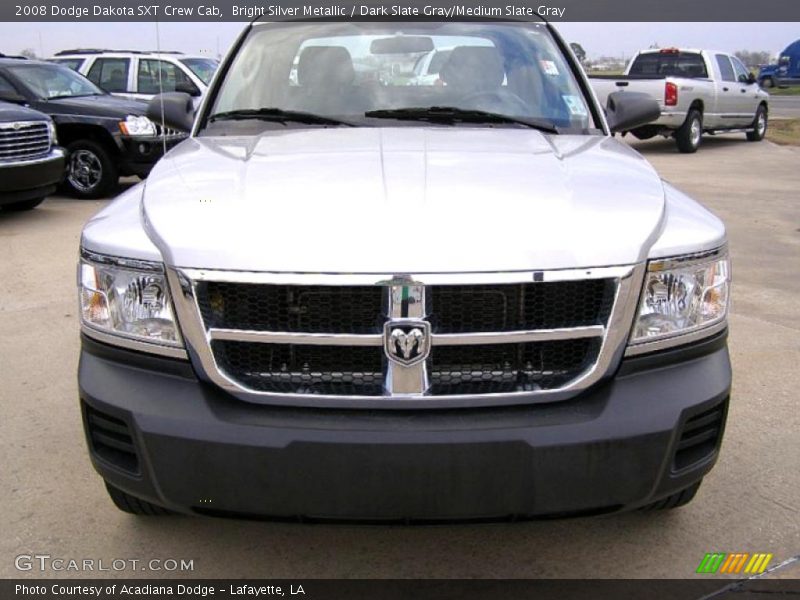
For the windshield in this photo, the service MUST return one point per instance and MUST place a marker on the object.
(54, 81)
(345, 70)
(202, 67)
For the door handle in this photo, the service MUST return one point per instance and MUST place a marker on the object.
(744, 91)
(724, 89)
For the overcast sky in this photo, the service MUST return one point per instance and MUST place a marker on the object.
(615, 39)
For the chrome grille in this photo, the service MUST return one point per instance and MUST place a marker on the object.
(323, 339)
(24, 140)
(169, 133)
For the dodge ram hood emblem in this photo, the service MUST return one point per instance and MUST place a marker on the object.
(407, 342)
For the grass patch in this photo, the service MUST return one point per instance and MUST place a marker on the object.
(790, 91)
(784, 131)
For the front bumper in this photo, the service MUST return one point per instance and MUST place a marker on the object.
(140, 154)
(195, 449)
(29, 179)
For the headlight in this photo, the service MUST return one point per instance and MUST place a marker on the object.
(682, 295)
(52, 129)
(128, 299)
(135, 125)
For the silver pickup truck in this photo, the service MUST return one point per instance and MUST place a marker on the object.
(699, 91)
(347, 298)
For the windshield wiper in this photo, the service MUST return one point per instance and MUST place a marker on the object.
(452, 114)
(62, 96)
(277, 114)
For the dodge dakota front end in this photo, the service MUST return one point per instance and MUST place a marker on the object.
(346, 297)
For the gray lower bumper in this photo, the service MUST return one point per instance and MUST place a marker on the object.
(199, 450)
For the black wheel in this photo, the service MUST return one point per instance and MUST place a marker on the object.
(91, 173)
(23, 205)
(759, 125)
(135, 506)
(690, 133)
(676, 500)
(767, 82)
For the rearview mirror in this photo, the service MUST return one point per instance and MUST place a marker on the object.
(401, 44)
(13, 97)
(629, 110)
(177, 113)
(749, 78)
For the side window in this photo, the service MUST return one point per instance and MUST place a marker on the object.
(725, 68)
(111, 74)
(5, 86)
(742, 74)
(155, 73)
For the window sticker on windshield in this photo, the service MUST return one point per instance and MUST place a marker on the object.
(575, 105)
(549, 67)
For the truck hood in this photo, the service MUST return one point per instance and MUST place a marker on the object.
(402, 200)
(99, 106)
(12, 112)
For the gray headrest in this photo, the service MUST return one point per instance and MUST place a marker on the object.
(325, 65)
(474, 67)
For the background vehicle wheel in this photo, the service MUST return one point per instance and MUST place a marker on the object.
(24, 205)
(135, 506)
(678, 499)
(690, 133)
(759, 126)
(90, 171)
(767, 82)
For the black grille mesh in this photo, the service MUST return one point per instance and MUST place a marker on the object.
(309, 309)
(509, 307)
(303, 369)
(498, 368)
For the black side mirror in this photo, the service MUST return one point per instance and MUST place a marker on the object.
(178, 110)
(629, 110)
(187, 87)
(13, 97)
(751, 78)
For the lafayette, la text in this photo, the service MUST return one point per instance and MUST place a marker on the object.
(194, 590)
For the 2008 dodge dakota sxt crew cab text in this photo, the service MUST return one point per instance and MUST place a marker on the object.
(346, 297)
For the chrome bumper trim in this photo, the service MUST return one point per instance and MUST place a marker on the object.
(131, 344)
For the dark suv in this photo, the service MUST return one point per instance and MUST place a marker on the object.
(30, 163)
(106, 137)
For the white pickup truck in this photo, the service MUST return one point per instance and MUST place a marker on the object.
(699, 91)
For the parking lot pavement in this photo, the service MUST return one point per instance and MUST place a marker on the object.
(55, 504)
(784, 107)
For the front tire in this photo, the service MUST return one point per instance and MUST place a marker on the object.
(133, 505)
(23, 205)
(767, 83)
(759, 125)
(690, 133)
(91, 173)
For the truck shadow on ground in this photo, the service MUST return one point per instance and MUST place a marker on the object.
(667, 145)
(523, 549)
